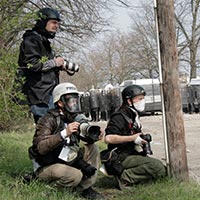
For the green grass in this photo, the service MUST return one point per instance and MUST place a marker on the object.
(14, 162)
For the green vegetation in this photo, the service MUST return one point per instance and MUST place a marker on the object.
(11, 112)
(14, 162)
(13, 21)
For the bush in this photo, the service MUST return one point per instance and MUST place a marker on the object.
(11, 113)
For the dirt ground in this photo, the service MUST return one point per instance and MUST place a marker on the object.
(153, 125)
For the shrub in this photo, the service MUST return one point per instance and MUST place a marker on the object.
(11, 112)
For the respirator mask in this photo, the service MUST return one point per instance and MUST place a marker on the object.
(140, 105)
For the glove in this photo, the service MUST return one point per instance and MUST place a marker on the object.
(89, 170)
(138, 140)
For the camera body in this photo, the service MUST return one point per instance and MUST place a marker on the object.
(147, 146)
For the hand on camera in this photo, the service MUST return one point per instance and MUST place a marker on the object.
(72, 128)
(59, 61)
(138, 140)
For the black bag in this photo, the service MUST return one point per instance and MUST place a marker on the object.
(111, 161)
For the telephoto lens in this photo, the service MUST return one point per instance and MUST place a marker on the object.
(90, 132)
(71, 66)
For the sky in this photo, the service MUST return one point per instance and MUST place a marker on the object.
(121, 18)
(121, 21)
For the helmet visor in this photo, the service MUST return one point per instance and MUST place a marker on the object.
(72, 103)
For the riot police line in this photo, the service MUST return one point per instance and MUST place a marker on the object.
(99, 104)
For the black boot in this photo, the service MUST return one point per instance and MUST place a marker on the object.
(28, 177)
(90, 193)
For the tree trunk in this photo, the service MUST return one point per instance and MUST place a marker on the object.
(171, 92)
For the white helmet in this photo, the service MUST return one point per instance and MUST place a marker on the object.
(63, 88)
(108, 87)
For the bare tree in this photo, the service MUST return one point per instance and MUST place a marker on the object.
(117, 60)
(143, 46)
(188, 25)
(187, 32)
(90, 73)
(110, 62)
(81, 19)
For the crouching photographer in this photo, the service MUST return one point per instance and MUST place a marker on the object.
(55, 152)
(128, 148)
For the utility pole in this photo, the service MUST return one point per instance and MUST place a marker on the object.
(174, 131)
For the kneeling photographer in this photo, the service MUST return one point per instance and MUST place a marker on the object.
(126, 156)
(55, 152)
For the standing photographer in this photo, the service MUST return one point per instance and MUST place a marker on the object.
(55, 151)
(125, 138)
(38, 63)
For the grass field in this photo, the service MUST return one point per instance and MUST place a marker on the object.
(14, 162)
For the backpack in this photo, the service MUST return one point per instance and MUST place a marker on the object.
(110, 159)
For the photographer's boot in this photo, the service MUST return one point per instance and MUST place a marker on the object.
(28, 177)
(90, 193)
(122, 185)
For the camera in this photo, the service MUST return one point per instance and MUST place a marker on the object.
(70, 67)
(147, 146)
(89, 133)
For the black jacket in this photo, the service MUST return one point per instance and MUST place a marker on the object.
(35, 50)
(118, 124)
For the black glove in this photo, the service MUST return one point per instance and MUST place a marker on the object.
(89, 170)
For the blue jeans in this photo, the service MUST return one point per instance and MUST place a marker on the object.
(39, 110)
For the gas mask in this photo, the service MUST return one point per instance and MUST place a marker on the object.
(71, 103)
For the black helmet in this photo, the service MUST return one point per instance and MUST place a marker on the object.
(132, 91)
(44, 15)
(48, 13)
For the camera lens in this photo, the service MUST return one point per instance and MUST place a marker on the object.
(71, 66)
(147, 146)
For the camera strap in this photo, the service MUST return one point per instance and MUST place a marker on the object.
(130, 122)
(128, 119)
(134, 126)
